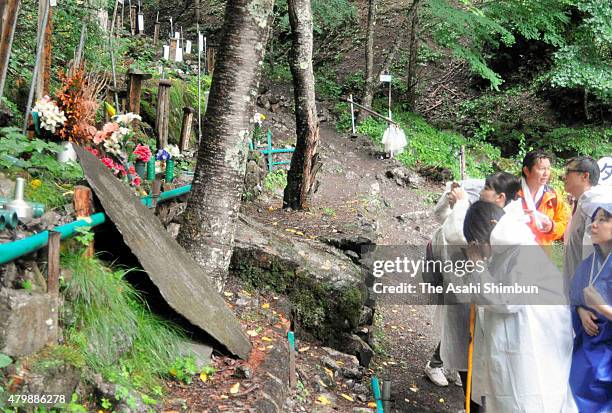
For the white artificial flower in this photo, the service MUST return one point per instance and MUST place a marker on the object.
(126, 119)
(174, 151)
(51, 117)
(258, 118)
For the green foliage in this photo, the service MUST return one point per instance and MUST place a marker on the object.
(85, 236)
(584, 61)
(428, 146)
(4, 360)
(328, 15)
(464, 30)
(591, 141)
(184, 368)
(35, 156)
(276, 180)
(113, 330)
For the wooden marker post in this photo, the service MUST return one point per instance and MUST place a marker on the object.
(9, 21)
(135, 78)
(188, 113)
(210, 60)
(53, 263)
(173, 47)
(83, 208)
(133, 21)
(163, 113)
(292, 361)
(156, 34)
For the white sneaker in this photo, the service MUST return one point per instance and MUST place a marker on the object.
(452, 376)
(436, 375)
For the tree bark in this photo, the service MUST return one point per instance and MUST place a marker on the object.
(413, 51)
(209, 223)
(9, 21)
(302, 172)
(368, 93)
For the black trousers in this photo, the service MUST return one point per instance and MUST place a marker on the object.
(474, 407)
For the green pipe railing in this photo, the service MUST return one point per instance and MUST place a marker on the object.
(13, 250)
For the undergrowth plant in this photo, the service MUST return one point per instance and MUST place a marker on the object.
(113, 331)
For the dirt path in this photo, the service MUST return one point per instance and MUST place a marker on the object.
(356, 195)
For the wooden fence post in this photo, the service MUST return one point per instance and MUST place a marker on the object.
(163, 113)
(83, 208)
(44, 75)
(156, 34)
(9, 21)
(133, 22)
(186, 128)
(53, 263)
(135, 78)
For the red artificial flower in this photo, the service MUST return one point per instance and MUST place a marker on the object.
(93, 151)
(131, 170)
(136, 181)
(143, 153)
(108, 162)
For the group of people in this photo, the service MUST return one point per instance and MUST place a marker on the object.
(529, 357)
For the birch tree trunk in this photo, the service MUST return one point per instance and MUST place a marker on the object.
(209, 222)
(301, 176)
(368, 93)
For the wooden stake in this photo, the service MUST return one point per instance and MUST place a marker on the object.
(292, 361)
(163, 113)
(352, 114)
(156, 34)
(210, 60)
(53, 263)
(186, 128)
(9, 21)
(133, 15)
(42, 81)
(462, 167)
(135, 78)
(155, 191)
(83, 208)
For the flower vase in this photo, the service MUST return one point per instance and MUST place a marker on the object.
(141, 169)
(68, 154)
(169, 170)
(151, 169)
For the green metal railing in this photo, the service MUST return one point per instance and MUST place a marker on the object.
(13, 250)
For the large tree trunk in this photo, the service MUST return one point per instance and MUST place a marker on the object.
(368, 93)
(304, 161)
(413, 51)
(209, 226)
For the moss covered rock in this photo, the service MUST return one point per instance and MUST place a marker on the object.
(326, 289)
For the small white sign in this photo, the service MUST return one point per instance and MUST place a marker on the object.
(188, 47)
(605, 171)
(166, 52)
(177, 35)
(141, 23)
(52, 3)
(385, 78)
(179, 54)
(200, 42)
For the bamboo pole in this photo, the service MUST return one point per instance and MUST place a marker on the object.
(371, 111)
(468, 385)
(9, 22)
(37, 63)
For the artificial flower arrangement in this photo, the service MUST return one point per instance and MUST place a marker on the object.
(118, 148)
(169, 155)
(50, 117)
(258, 133)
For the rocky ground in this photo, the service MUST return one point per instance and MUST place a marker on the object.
(360, 193)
